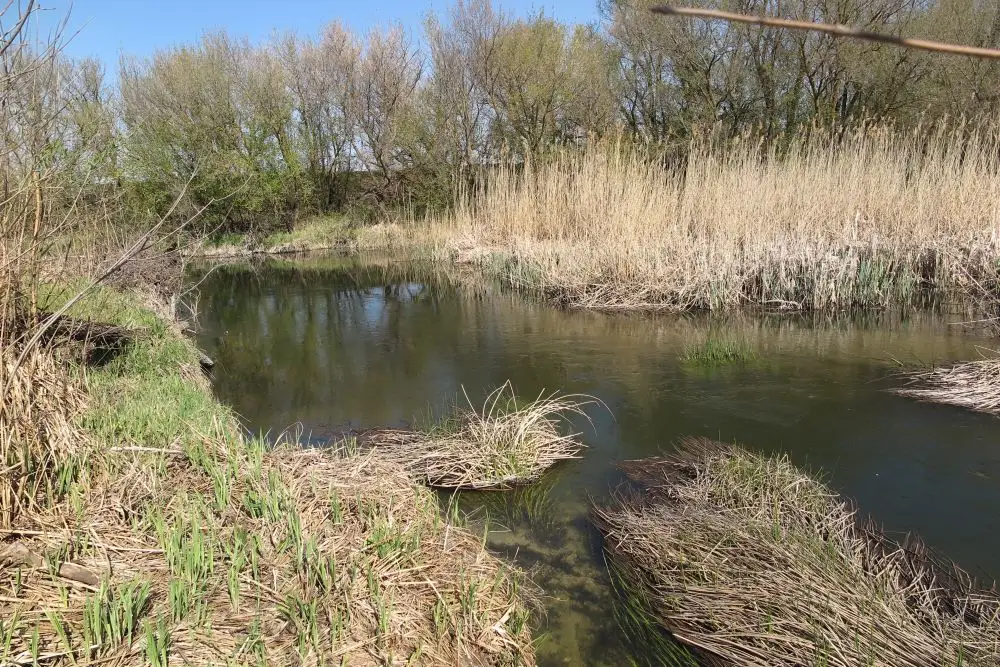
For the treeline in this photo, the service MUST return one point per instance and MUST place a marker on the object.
(262, 134)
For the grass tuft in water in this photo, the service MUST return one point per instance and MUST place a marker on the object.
(505, 443)
(714, 352)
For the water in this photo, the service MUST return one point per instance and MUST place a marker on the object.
(332, 344)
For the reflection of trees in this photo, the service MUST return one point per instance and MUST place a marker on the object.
(328, 343)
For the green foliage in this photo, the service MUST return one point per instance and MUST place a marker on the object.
(111, 615)
(264, 135)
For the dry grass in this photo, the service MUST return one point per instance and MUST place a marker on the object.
(968, 384)
(503, 444)
(867, 222)
(749, 561)
(148, 534)
(38, 439)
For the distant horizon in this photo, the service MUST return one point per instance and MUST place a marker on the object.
(106, 29)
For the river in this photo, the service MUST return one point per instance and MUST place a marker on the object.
(331, 343)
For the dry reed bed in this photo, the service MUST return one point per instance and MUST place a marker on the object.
(969, 384)
(501, 445)
(868, 221)
(748, 561)
(220, 550)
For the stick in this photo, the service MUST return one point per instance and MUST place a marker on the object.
(835, 29)
(18, 554)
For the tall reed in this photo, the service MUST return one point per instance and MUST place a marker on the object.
(868, 219)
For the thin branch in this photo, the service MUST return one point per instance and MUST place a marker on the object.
(835, 29)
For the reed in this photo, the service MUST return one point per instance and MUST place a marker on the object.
(749, 561)
(504, 443)
(869, 219)
(969, 384)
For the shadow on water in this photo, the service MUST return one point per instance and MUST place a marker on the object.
(334, 344)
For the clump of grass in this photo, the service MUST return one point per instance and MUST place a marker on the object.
(312, 234)
(969, 384)
(749, 561)
(39, 445)
(504, 443)
(713, 352)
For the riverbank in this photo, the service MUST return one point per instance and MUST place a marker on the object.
(330, 232)
(872, 219)
(141, 523)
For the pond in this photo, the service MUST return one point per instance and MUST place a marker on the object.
(329, 344)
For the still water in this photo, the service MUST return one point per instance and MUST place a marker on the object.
(330, 344)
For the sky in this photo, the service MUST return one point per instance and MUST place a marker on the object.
(106, 28)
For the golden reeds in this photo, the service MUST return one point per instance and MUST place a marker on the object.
(865, 220)
(748, 561)
(503, 444)
(968, 384)
(38, 439)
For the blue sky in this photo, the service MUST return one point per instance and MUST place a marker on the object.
(109, 27)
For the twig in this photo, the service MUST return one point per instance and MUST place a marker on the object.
(835, 29)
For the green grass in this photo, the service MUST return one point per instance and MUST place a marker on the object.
(312, 234)
(715, 352)
(149, 393)
(225, 239)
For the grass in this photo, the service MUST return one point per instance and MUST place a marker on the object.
(968, 384)
(873, 219)
(314, 233)
(714, 352)
(317, 233)
(504, 443)
(208, 546)
(749, 561)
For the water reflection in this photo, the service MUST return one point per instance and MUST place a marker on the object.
(335, 344)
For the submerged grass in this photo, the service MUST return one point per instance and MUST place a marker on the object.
(749, 561)
(141, 526)
(714, 351)
(504, 443)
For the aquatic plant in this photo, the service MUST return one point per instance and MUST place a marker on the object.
(713, 351)
(749, 561)
(968, 384)
(504, 443)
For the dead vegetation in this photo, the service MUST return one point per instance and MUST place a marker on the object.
(968, 384)
(749, 561)
(503, 444)
(870, 219)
